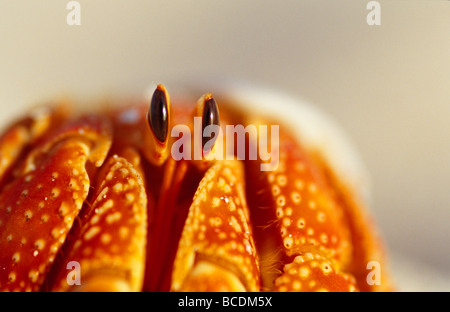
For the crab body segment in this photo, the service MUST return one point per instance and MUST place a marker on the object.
(101, 189)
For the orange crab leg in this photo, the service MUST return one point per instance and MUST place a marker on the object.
(110, 247)
(39, 207)
(216, 251)
(301, 216)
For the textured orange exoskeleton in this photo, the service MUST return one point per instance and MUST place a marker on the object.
(101, 188)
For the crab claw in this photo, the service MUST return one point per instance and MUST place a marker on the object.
(94, 130)
(38, 208)
(216, 251)
(37, 212)
(25, 132)
(307, 213)
(295, 210)
(110, 246)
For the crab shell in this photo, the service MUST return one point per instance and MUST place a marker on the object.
(80, 188)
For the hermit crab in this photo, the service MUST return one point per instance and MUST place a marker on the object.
(160, 195)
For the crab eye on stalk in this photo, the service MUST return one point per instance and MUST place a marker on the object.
(207, 112)
(158, 114)
(210, 118)
(158, 119)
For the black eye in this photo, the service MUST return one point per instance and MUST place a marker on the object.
(210, 117)
(158, 116)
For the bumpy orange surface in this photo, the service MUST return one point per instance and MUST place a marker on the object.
(101, 188)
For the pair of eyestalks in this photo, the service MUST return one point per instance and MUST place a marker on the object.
(159, 119)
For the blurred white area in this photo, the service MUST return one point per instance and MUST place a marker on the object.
(387, 85)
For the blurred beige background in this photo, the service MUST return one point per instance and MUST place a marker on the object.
(387, 85)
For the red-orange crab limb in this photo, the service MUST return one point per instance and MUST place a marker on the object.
(122, 196)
